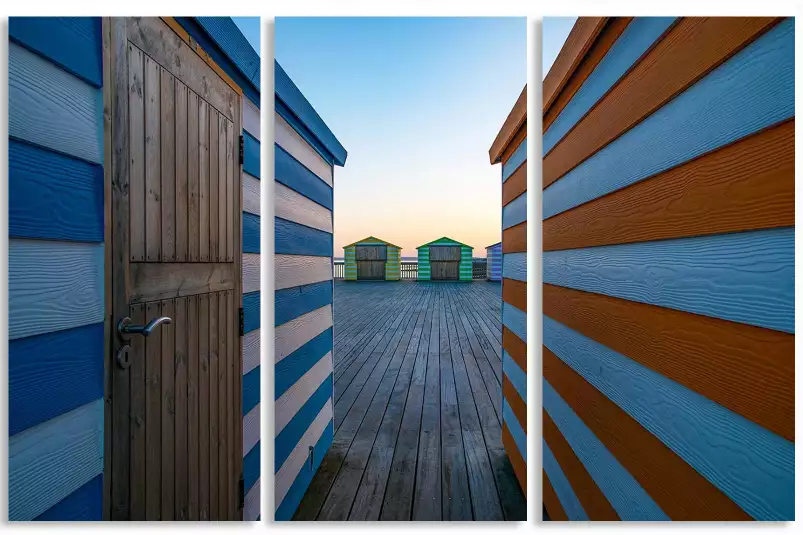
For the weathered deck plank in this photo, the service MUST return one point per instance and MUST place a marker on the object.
(417, 407)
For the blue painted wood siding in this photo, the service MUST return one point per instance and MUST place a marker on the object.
(303, 300)
(56, 269)
(494, 259)
(736, 282)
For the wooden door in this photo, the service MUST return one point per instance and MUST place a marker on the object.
(371, 252)
(370, 270)
(444, 253)
(440, 270)
(174, 436)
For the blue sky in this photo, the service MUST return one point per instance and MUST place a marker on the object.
(417, 103)
(556, 30)
(250, 28)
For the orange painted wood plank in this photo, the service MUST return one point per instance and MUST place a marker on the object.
(516, 460)
(515, 347)
(551, 501)
(607, 37)
(515, 185)
(513, 398)
(680, 491)
(749, 370)
(514, 239)
(583, 34)
(591, 498)
(748, 185)
(515, 293)
(690, 50)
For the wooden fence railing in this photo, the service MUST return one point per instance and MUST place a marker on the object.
(409, 269)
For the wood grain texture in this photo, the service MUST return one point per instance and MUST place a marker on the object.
(583, 34)
(294, 239)
(689, 51)
(638, 38)
(222, 194)
(50, 461)
(51, 108)
(291, 173)
(251, 119)
(168, 172)
(234, 194)
(514, 292)
(754, 470)
(515, 185)
(515, 401)
(181, 458)
(517, 377)
(610, 32)
(53, 286)
(168, 412)
(136, 165)
(551, 501)
(293, 334)
(52, 196)
(515, 212)
(286, 475)
(514, 266)
(514, 455)
(250, 275)
(204, 166)
(251, 505)
(182, 197)
(251, 158)
(214, 187)
(745, 186)
(515, 347)
(193, 178)
(684, 129)
(250, 351)
(591, 498)
(676, 487)
(566, 494)
(722, 360)
(515, 119)
(152, 160)
(293, 206)
(290, 140)
(290, 402)
(251, 194)
(250, 430)
(745, 277)
(621, 489)
(169, 50)
(516, 159)
(514, 239)
(297, 270)
(152, 281)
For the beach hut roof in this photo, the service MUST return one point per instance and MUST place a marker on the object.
(494, 245)
(516, 119)
(372, 239)
(444, 238)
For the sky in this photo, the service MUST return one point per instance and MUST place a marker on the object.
(417, 103)
(556, 30)
(249, 26)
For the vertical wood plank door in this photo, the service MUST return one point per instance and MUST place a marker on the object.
(174, 415)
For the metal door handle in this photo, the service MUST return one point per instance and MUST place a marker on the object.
(125, 327)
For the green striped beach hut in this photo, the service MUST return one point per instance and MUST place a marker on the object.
(372, 259)
(445, 259)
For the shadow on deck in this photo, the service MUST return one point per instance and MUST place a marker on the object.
(418, 407)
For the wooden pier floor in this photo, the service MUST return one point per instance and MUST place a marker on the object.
(418, 407)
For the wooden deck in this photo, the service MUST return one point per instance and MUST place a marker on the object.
(418, 407)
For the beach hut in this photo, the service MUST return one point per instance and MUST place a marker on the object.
(445, 259)
(372, 259)
(493, 268)
(669, 223)
(306, 153)
(510, 149)
(115, 126)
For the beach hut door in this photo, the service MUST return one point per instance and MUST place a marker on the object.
(174, 422)
(371, 261)
(444, 262)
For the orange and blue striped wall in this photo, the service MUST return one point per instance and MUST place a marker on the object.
(306, 153)
(510, 149)
(668, 266)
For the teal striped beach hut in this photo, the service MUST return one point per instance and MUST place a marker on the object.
(444, 259)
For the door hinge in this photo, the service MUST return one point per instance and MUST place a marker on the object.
(242, 323)
(241, 492)
(242, 150)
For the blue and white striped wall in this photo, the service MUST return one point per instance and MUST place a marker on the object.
(56, 269)
(225, 44)
(493, 254)
(305, 155)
